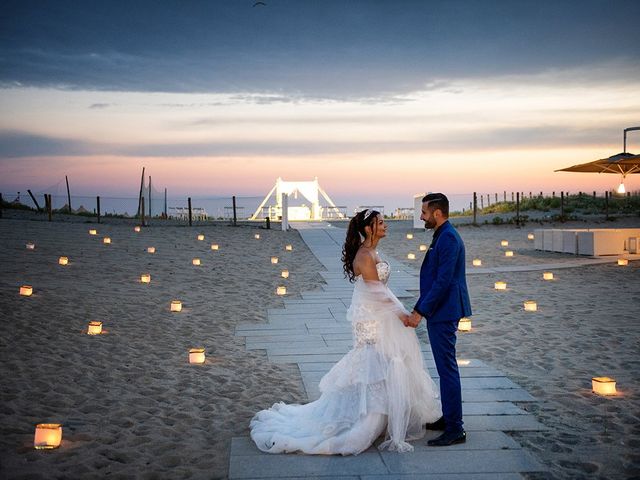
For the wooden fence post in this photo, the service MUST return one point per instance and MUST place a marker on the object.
(475, 208)
(518, 209)
(235, 216)
(142, 211)
(606, 204)
(562, 206)
(68, 194)
(190, 215)
(49, 206)
(34, 199)
(98, 207)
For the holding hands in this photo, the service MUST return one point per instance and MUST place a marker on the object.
(412, 319)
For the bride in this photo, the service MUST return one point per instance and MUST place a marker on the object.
(379, 386)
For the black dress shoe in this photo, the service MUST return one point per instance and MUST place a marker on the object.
(448, 438)
(437, 425)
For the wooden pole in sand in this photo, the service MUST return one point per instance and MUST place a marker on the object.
(98, 207)
(68, 193)
(34, 200)
(1, 203)
(235, 217)
(475, 208)
(165, 203)
(606, 205)
(190, 218)
(149, 196)
(140, 194)
(49, 207)
(142, 211)
(562, 206)
(518, 209)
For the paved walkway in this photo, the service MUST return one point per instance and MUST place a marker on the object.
(313, 333)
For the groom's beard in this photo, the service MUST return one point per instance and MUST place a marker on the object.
(429, 224)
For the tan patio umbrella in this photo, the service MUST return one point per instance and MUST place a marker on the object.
(624, 164)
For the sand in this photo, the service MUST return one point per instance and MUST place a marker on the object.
(132, 407)
(130, 403)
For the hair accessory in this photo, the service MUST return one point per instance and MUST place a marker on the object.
(367, 213)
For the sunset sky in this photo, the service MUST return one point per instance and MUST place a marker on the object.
(379, 100)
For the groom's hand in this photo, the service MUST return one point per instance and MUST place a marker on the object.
(413, 319)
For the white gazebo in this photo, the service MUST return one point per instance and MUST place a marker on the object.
(307, 192)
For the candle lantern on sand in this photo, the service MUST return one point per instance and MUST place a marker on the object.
(281, 290)
(477, 262)
(531, 236)
(195, 261)
(63, 261)
(215, 246)
(93, 231)
(288, 248)
(196, 355)
(464, 325)
(504, 243)
(603, 385)
(31, 246)
(411, 256)
(409, 236)
(136, 229)
(48, 436)
(623, 262)
(508, 253)
(95, 328)
(106, 240)
(423, 248)
(176, 306)
(547, 276)
(257, 236)
(145, 278)
(200, 237)
(530, 306)
(284, 274)
(26, 290)
(151, 249)
(500, 285)
(274, 260)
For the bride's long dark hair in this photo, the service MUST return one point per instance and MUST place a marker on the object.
(355, 235)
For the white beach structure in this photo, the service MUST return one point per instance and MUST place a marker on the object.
(307, 192)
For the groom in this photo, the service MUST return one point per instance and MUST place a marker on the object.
(444, 299)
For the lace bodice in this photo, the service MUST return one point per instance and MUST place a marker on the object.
(365, 325)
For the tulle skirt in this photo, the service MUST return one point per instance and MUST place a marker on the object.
(379, 387)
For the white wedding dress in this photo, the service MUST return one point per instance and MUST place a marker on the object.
(380, 384)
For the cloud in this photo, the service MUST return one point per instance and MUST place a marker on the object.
(99, 106)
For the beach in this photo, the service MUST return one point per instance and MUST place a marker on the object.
(133, 407)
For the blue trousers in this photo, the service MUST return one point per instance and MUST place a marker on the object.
(442, 336)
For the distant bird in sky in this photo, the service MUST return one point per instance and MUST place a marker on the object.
(259, 3)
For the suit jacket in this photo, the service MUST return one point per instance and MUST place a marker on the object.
(443, 287)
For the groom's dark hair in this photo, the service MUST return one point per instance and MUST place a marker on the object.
(437, 201)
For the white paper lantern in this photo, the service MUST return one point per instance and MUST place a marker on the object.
(151, 249)
(195, 261)
(547, 276)
(63, 261)
(196, 355)
(31, 246)
(603, 385)
(200, 237)
(409, 236)
(508, 253)
(93, 231)
(145, 278)
(274, 260)
(47, 436)
(500, 285)
(281, 290)
(176, 306)
(284, 274)
(136, 229)
(215, 246)
(26, 290)
(530, 306)
(623, 262)
(504, 243)
(411, 256)
(95, 328)
(464, 324)
(477, 262)
(531, 236)
(106, 240)
(423, 248)
(257, 236)
(288, 248)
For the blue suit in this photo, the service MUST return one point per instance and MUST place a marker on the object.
(444, 300)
